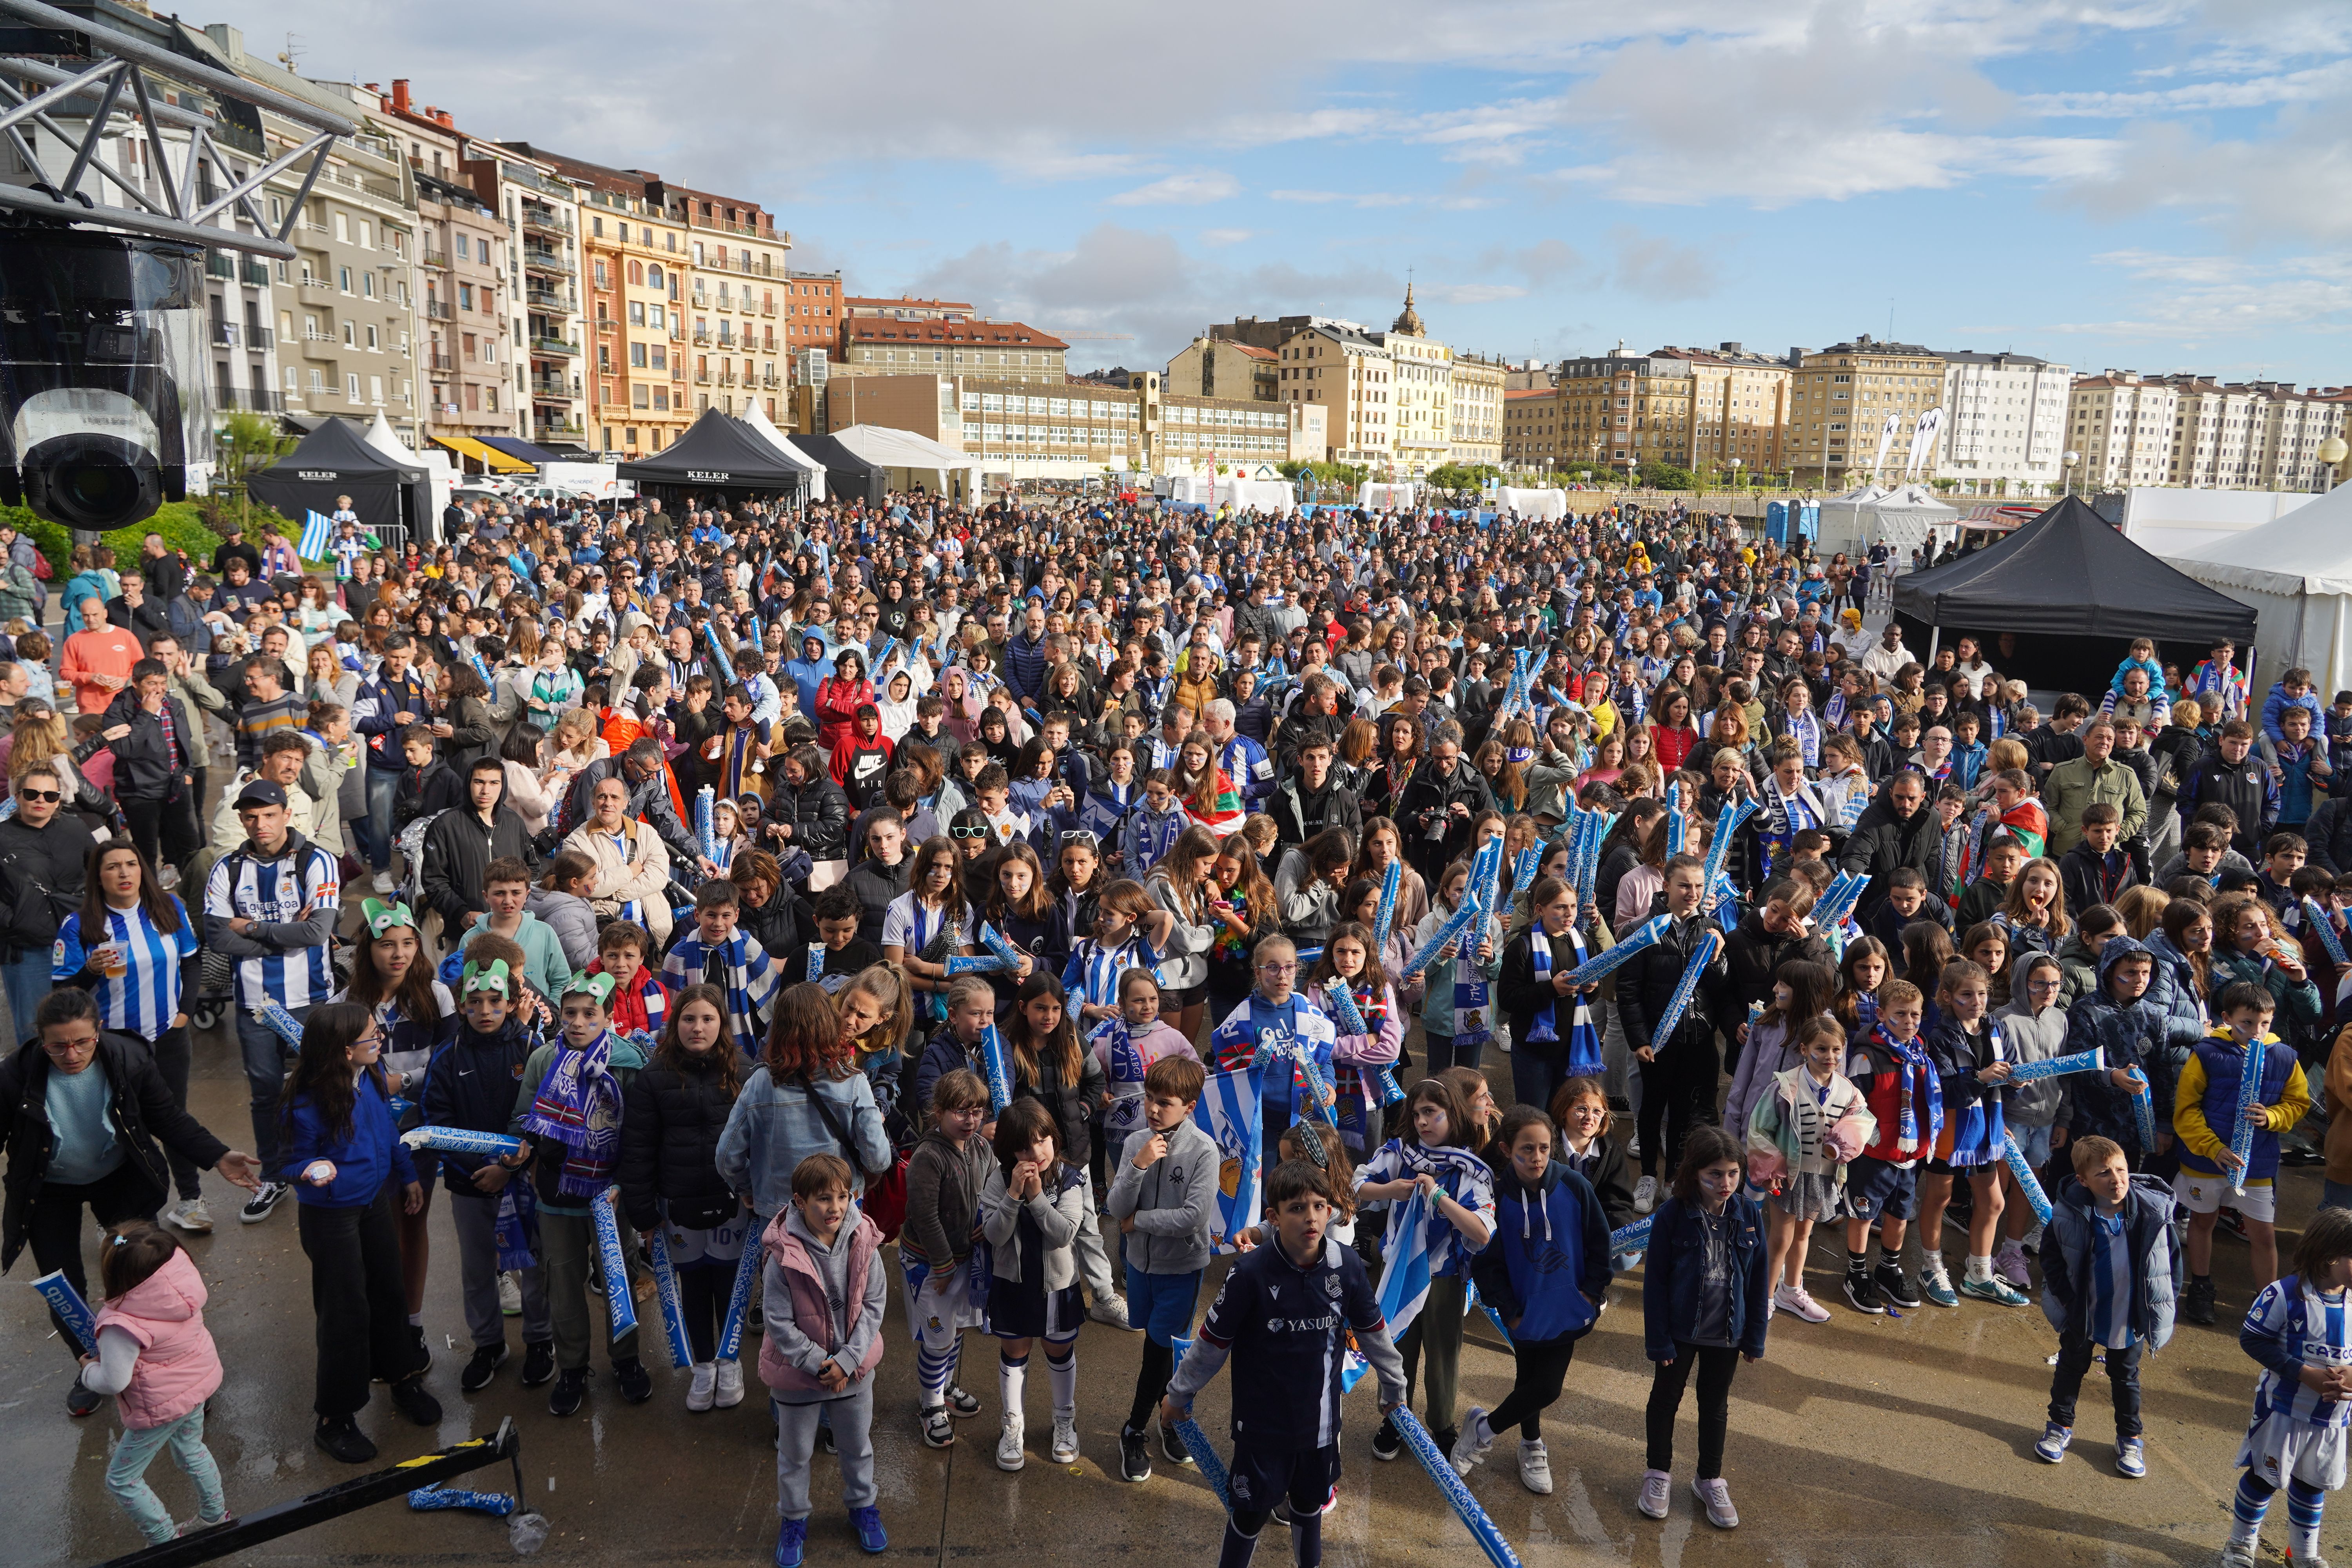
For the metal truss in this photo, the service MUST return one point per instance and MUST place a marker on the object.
(118, 86)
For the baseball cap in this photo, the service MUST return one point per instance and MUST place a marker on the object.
(260, 792)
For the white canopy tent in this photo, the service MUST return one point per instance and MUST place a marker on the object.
(1227, 490)
(1906, 516)
(761, 427)
(1546, 504)
(1385, 498)
(440, 474)
(904, 454)
(2296, 574)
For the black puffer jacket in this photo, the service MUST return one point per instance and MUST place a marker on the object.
(669, 1146)
(41, 871)
(1755, 956)
(1883, 843)
(819, 814)
(1647, 982)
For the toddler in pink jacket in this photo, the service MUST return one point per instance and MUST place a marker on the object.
(156, 1358)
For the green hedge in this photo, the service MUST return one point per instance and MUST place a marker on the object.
(181, 524)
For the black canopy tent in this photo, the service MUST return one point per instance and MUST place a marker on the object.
(848, 475)
(335, 459)
(715, 455)
(2065, 593)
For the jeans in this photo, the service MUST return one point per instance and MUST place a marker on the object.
(476, 1223)
(126, 1475)
(359, 1299)
(54, 1228)
(2335, 1194)
(171, 1051)
(1533, 1080)
(165, 829)
(1715, 1364)
(851, 1417)
(375, 828)
(2074, 1352)
(265, 1074)
(1443, 1053)
(26, 979)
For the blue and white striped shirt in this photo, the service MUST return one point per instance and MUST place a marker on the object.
(2317, 1331)
(145, 998)
(2111, 1283)
(277, 893)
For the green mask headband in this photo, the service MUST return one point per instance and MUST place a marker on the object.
(599, 986)
(381, 917)
(493, 978)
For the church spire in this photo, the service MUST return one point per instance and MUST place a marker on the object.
(1408, 321)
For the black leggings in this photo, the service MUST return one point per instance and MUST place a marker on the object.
(1677, 1094)
(1542, 1369)
(703, 1289)
(1715, 1364)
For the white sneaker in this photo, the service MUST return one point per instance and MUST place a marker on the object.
(1009, 1453)
(706, 1380)
(1797, 1302)
(2238, 1554)
(1471, 1445)
(1715, 1497)
(1065, 1439)
(1110, 1311)
(191, 1216)
(167, 877)
(730, 1386)
(384, 882)
(1657, 1493)
(1645, 1198)
(509, 1296)
(1535, 1467)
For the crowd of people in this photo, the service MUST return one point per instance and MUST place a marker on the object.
(843, 884)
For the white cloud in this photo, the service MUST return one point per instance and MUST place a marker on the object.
(2184, 298)
(2294, 86)
(1357, 199)
(1472, 293)
(1193, 189)
(1224, 236)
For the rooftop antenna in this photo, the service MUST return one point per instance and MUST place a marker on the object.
(291, 58)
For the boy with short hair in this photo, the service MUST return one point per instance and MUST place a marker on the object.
(2109, 1263)
(506, 887)
(1164, 1200)
(2282, 856)
(992, 794)
(2004, 858)
(718, 954)
(639, 1000)
(2205, 1112)
(2111, 1019)
(1890, 1065)
(1287, 1364)
(1907, 901)
(838, 913)
(2097, 869)
(2300, 759)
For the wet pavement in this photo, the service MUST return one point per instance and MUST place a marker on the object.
(1861, 1440)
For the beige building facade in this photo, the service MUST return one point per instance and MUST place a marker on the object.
(1844, 397)
(1351, 374)
(2195, 431)
(1738, 410)
(1223, 367)
(1475, 403)
(1620, 410)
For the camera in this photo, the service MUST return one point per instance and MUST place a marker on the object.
(103, 416)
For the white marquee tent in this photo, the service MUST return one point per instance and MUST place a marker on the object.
(1903, 515)
(2296, 574)
(761, 427)
(904, 454)
(1548, 504)
(1375, 497)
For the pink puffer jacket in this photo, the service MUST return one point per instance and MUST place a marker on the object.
(178, 1366)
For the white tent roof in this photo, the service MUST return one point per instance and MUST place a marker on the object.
(1917, 502)
(380, 436)
(757, 418)
(2308, 551)
(888, 448)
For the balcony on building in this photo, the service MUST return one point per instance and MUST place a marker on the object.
(439, 310)
(444, 363)
(540, 219)
(555, 346)
(560, 428)
(546, 299)
(252, 399)
(438, 259)
(702, 336)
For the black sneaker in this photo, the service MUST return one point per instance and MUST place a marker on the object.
(266, 1197)
(1445, 1437)
(339, 1435)
(483, 1366)
(1388, 1443)
(424, 1352)
(1134, 1456)
(1862, 1291)
(408, 1397)
(755, 1320)
(538, 1362)
(1894, 1286)
(81, 1401)
(1171, 1447)
(2197, 1301)
(636, 1382)
(571, 1388)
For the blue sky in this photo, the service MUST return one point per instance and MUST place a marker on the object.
(2157, 185)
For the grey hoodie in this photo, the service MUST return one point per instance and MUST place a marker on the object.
(854, 1323)
(1170, 1202)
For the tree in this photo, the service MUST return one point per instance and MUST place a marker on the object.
(1658, 476)
(1463, 475)
(248, 442)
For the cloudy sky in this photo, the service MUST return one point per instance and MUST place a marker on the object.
(2159, 184)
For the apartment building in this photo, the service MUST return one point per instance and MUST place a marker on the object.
(1351, 374)
(1739, 409)
(542, 216)
(950, 345)
(1535, 432)
(1624, 410)
(2005, 418)
(1416, 399)
(2122, 425)
(1474, 402)
(812, 316)
(1843, 398)
(1221, 367)
(736, 276)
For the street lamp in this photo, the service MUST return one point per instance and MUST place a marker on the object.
(1735, 474)
(2332, 451)
(2068, 461)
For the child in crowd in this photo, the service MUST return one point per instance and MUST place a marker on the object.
(640, 1000)
(155, 1356)
(1809, 1122)
(1033, 1203)
(1546, 1276)
(1275, 1015)
(1287, 1365)
(944, 1176)
(825, 1294)
(957, 1042)
(2301, 1332)
(2109, 1262)
(2111, 1020)
(2140, 655)
(1349, 965)
(1164, 1198)
(1705, 1302)
(1462, 965)
(337, 1147)
(1128, 1047)
(1581, 1123)
(2033, 1028)
(506, 888)
(2204, 1115)
(1890, 1065)
(570, 1109)
(1435, 1156)
(845, 953)
(676, 1110)
(1973, 1064)
(1125, 919)
(719, 953)
(472, 1087)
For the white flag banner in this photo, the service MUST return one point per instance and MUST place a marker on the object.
(1885, 440)
(1922, 443)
